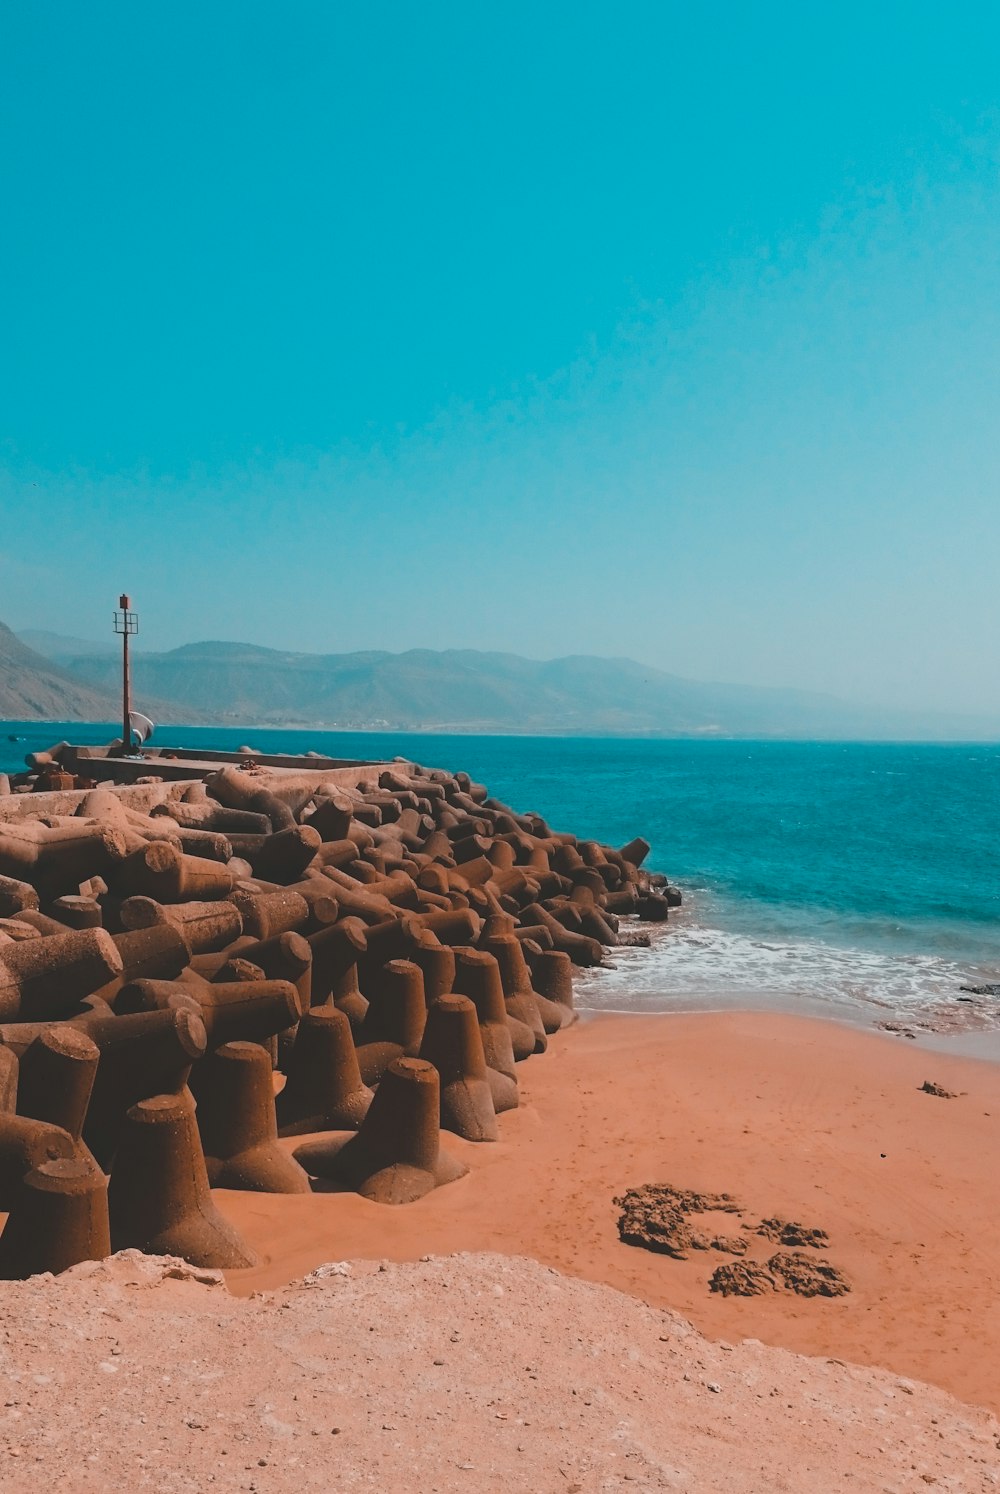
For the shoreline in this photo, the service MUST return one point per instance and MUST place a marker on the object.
(476, 730)
(952, 1018)
(959, 1043)
(798, 1117)
(912, 980)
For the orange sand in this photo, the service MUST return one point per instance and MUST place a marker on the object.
(792, 1115)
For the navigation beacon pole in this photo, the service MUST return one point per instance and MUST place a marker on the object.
(126, 623)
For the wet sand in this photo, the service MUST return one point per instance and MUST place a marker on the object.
(805, 1119)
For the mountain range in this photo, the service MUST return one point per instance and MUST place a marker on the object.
(457, 690)
(34, 687)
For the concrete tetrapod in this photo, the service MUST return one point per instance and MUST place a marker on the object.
(236, 1120)
(636, 851)
(324, 1090)
(397, 1009)
(284, 856)
(211, 816)
(346, 995)
(515, 957)
(394, 1025)
(590, 921)
(205, 843)
(159, 1199)
(520, 1000)
(653, 907)
(581, 949)
(16, 896)
(477, 976)
(332, 818)
(54, 861)
(454, 1045)
(320, 898)
(58, 1217)
(392, 938)
(265, 915)
(437, 961)
(155, 953)
(46, 978)
(552, 978)
(31, 918)
(142, 1054)
(341, 853)
(56, 1076)
(14, 930)
(236, 789)
(203, 926)
(24, 1145)
(252, 1010)
(286, 957)
(160, 871)
(396, 1156)
(335, 950)
(77, 912)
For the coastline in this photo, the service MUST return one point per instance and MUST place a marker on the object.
(790, 1114)
(977, 1044)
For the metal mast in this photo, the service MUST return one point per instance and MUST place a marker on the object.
(127, 624)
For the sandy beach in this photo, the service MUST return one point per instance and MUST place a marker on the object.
(804, 1119)
(476, 1340)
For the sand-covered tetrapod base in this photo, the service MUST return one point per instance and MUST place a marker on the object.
(470, 1372)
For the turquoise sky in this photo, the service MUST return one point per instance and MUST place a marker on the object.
(648, 329)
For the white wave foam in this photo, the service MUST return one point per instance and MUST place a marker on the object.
(691, 967)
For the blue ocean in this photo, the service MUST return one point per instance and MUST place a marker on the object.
(854, 878)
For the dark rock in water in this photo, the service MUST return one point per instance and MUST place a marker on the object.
(930, 1088)
(808, 1278)
(789, 1232)
(742, 1279)
(897, 1028)
(989, 990)
(630, 940)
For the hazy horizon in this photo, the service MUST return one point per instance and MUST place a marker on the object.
(557, 331)
(928, 726)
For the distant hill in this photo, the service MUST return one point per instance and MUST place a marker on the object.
(58, 646)
(36, 688)
(462, 690)
(33, 688)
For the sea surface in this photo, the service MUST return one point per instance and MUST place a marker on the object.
(860, 880)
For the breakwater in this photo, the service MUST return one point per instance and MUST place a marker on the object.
(193, 967)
